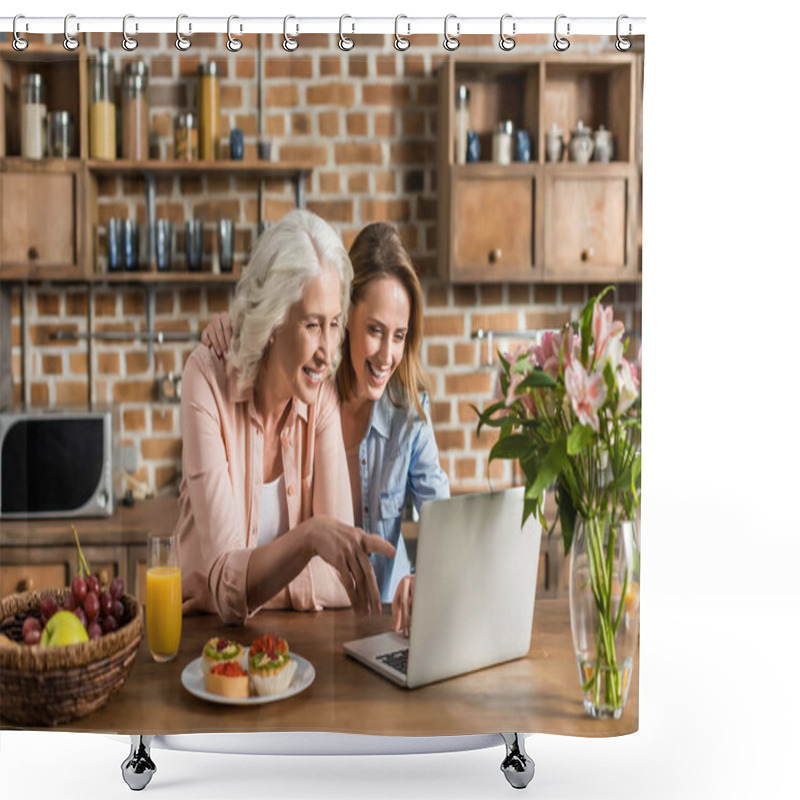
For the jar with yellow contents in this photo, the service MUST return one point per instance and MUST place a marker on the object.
(209, 111)
(102, 110)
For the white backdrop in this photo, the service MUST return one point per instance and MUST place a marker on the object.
(720, 603)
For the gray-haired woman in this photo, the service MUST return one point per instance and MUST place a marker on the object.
(265, 512)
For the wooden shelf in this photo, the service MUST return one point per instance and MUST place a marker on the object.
(261, 169)
(171, 277)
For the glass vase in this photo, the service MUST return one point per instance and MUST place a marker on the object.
(604, 610)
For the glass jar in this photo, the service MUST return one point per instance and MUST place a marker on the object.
(60, 134)
(503, 143)
(102, 111)
(186, 136)
(33, 116)
(462, 124)
(135, 113)
(209, 111)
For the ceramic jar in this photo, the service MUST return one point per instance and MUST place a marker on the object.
(554, 144)
(581, 144)
(603, 145)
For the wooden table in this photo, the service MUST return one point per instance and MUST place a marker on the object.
(535, 694)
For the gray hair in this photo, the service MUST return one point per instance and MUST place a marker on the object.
(284, 259)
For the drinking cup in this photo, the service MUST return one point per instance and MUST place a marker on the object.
(163, 244)
(194, 245)
(225, 235)
(163, 598)
(130, 244)
(237, 144)
(114, 244)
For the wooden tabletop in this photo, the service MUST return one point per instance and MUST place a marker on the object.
(535, 694)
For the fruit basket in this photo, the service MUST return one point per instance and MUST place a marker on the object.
(45, 686)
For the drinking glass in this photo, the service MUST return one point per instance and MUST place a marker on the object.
(225, 234)
(114, 244)
(130, 244)
(194, 245)
(163, 602)
(163, 244)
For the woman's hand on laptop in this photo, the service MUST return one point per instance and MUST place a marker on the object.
(401, 606)
(216, 336)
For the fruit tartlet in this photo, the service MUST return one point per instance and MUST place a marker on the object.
(219, 650)
(271, 666)
(229, 680)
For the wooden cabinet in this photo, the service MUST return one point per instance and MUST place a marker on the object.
(539, 220)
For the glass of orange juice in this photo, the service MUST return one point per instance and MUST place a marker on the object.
(163, 600)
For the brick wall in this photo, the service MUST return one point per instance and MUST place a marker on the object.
(367, 120)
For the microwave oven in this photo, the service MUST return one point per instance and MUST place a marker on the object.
(56, 464)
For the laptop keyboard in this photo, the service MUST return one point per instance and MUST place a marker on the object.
(398, 659)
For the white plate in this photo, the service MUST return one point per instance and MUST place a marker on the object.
(194, 682)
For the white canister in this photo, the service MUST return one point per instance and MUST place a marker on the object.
(33, 117)
(503, 143)
(461, 124)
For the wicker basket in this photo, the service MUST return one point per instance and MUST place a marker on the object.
(50, 686)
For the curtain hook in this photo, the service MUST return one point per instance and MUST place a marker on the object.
(290, 44)
(451, 43)
(70, 42)
(560, 43)
(181, 42)
(233, 44)
(128, 42)
(19, 43)
(622, 44)
(345, 43)
(400, 42)
(506, 42)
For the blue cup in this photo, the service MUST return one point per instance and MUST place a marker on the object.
(473, 147)
(237, 144)
(523, 146)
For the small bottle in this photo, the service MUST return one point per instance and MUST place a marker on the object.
(503, 143)
(33, 116)
(462, 123)
(102, 111)
(135, 113)
(186, 137)
(209, 111)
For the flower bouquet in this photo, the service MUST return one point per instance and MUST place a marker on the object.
(570, 414)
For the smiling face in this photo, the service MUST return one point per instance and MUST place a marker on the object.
(377, 329)
(304, 347)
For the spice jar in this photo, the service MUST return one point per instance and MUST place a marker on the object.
(135, 112)
(33, 116)
(102, 112)
(186, 136)
(503, 143)
(60, 134)
(462, 124)
(209, 111)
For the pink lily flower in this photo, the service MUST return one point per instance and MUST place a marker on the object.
(587, 393)
(547, 353)
(605, 329)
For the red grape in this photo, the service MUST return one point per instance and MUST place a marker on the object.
(69, 601)
(79, 588)
(105, 603)
(91, 605)
(117, 588)
(30, 624)
(109, 625)
(94, 630)
(93, 584)
(32, 637)
(48, 606)
(81, 615)
(117, 610)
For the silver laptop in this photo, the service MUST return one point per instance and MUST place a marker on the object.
(474, 592)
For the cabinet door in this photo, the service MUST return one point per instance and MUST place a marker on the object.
(40, 235)
(493, 225)
(588, 223)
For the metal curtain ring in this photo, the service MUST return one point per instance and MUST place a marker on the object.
(289, 44)
(622, 44)
(400, 42)
(506, 42)
(451, 43)
(70, 42)
(233, 44)
(345, 43)
(181, 42)
(560, 43)
(19, 43)
(128, 42)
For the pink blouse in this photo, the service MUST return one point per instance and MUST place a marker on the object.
(220, 493)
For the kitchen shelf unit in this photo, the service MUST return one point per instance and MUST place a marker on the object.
(539, 221)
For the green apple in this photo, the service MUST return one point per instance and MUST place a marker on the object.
(63, 628)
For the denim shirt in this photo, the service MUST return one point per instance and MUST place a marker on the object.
(396, 458)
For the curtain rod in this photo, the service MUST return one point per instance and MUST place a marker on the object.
(295, 25)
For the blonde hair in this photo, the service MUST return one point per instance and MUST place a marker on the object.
(284, 259)
(378, 252)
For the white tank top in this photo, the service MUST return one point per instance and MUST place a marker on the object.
(273, 519)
